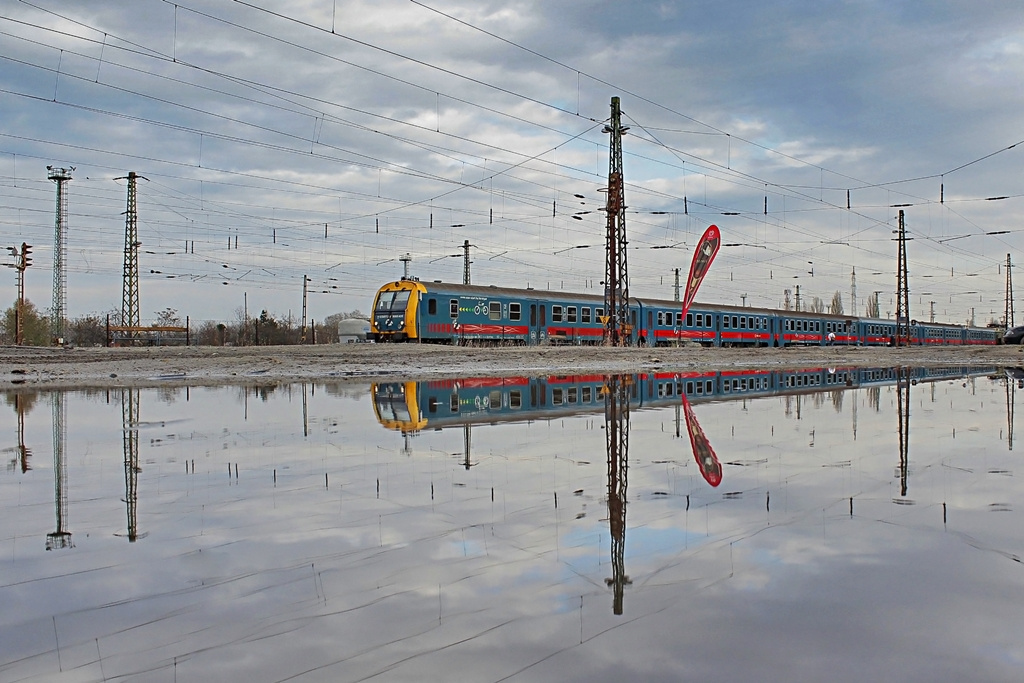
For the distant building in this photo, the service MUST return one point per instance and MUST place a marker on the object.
(353, 330)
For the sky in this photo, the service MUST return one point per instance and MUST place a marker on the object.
(325, 139)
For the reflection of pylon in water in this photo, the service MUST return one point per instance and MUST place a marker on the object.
(616, 421)
(1011, 390)
(130, 427)
(903, 415)
(468, 442)
(60, 537)
(23, 451)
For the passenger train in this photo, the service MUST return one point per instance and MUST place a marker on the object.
(409, 310)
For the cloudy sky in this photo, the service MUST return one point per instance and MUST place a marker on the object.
(327, 138)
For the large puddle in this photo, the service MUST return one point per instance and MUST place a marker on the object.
(839, 524)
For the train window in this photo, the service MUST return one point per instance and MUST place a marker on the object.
(585, 314)
(556, 314)
(735, 323)
(454, 403)
(572, 395)
(515, 311)
(598, 313)
(743, 322)
(515, 399)
(570, 314)
(453, 308)
(494, 398)
(586, 395)
(725, 322)
(689, 319)
(432, 306)
(679, 319)
(709, 386)
(556, 397)
(689, 387)
(495, 310)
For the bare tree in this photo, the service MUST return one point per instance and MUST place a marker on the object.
(836, 307)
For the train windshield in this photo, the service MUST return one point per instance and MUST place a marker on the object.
(392, 301)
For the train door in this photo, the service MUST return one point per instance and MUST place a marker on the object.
(542, 333)
(532, 334)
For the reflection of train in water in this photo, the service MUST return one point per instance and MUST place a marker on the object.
(438, 312)
(435, 404)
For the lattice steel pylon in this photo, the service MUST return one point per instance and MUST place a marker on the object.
(1008, 314)
(617, 328)
(130, 284)
(58, 308)
(902, 288)
(616, 420)
(466, 262)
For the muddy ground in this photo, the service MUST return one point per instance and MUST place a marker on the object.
(198, 366)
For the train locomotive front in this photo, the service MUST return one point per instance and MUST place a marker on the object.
(395, 310)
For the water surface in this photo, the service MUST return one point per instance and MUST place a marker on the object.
(841, 524)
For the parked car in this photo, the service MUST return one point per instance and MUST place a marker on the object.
(1014, 335)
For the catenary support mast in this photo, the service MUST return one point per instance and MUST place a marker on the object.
(616, 285)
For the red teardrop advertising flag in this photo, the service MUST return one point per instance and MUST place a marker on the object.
(707, 247)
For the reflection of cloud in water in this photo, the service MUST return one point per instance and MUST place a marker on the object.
(410, 566)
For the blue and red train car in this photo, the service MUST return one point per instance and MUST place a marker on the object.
(446, 313)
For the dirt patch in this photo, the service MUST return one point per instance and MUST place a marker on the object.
(199, 366)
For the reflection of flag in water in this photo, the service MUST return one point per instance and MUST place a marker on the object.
(703, 453)
(703, 255)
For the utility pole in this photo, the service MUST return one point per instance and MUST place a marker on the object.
(616, 285)
(902, 288)
(465, 262)
(302, 337)
(743, 298)
(1008, 315)
(58, 310)
(406, 259)
(22, 260)
(675, 290)
(130, 284)
(798, 298)
(932, 315)
(853, 292)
